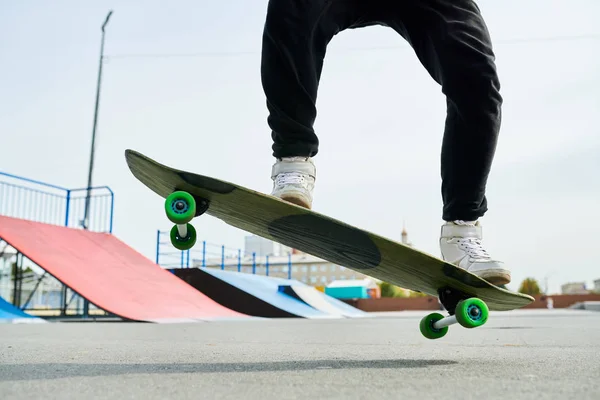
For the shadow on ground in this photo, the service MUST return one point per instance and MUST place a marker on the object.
(19, 372)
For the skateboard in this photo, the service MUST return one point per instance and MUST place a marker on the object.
(466, 297)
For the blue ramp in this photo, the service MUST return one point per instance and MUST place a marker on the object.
(9, 313)
(320, 301)
(249, 294)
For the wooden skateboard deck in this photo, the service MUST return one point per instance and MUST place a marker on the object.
(323, 237)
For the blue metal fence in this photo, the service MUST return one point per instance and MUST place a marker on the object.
(205, 254)
(42, 202)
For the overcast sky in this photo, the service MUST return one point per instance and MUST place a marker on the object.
(380, 120)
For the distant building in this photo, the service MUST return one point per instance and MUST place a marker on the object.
(404, 236)
(574, 288)
(597, 286)
(263, 247)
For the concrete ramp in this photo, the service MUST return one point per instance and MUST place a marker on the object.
(110, 274)
(320, 301)
(250, 294)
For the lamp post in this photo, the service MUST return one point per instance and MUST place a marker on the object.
(85, 222)
(89, 185)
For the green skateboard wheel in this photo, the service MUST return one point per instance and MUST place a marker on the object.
(471, 313)
(427, 329)
(180, 207)
(183, 243)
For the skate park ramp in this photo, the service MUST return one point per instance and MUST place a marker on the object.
(11, 314)
(251, 294)
(320, 301)
(110, 274)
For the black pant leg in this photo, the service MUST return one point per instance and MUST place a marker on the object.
(452, 41)
(295, 37)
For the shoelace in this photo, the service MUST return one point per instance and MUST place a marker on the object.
(289, 178)
(473, 247)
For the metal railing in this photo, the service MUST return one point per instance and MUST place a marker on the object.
(43, 202)
(205, 254)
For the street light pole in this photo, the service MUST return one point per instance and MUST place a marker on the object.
(85, 221)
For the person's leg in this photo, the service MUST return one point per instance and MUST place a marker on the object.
(293, 50)
(295, 39)
(451, 40)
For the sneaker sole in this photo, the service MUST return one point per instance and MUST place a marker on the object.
(296, 201)
(495, 277)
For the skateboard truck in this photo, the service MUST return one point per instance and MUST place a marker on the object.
(469, 312)
(181, 207)
(450, 298)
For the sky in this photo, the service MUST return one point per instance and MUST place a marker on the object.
(181, 83)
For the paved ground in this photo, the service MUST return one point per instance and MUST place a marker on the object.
(547, 354)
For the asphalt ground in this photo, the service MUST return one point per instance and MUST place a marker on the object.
(526, 354)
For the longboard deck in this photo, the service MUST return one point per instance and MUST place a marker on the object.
(320, 235)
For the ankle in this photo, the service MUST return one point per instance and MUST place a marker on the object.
(463, 222)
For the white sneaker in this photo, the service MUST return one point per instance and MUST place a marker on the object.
(294, 180)
(460, 243)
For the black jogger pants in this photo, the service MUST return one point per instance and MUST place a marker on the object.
(450, 39)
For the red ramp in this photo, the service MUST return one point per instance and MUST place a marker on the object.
(110, 274)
